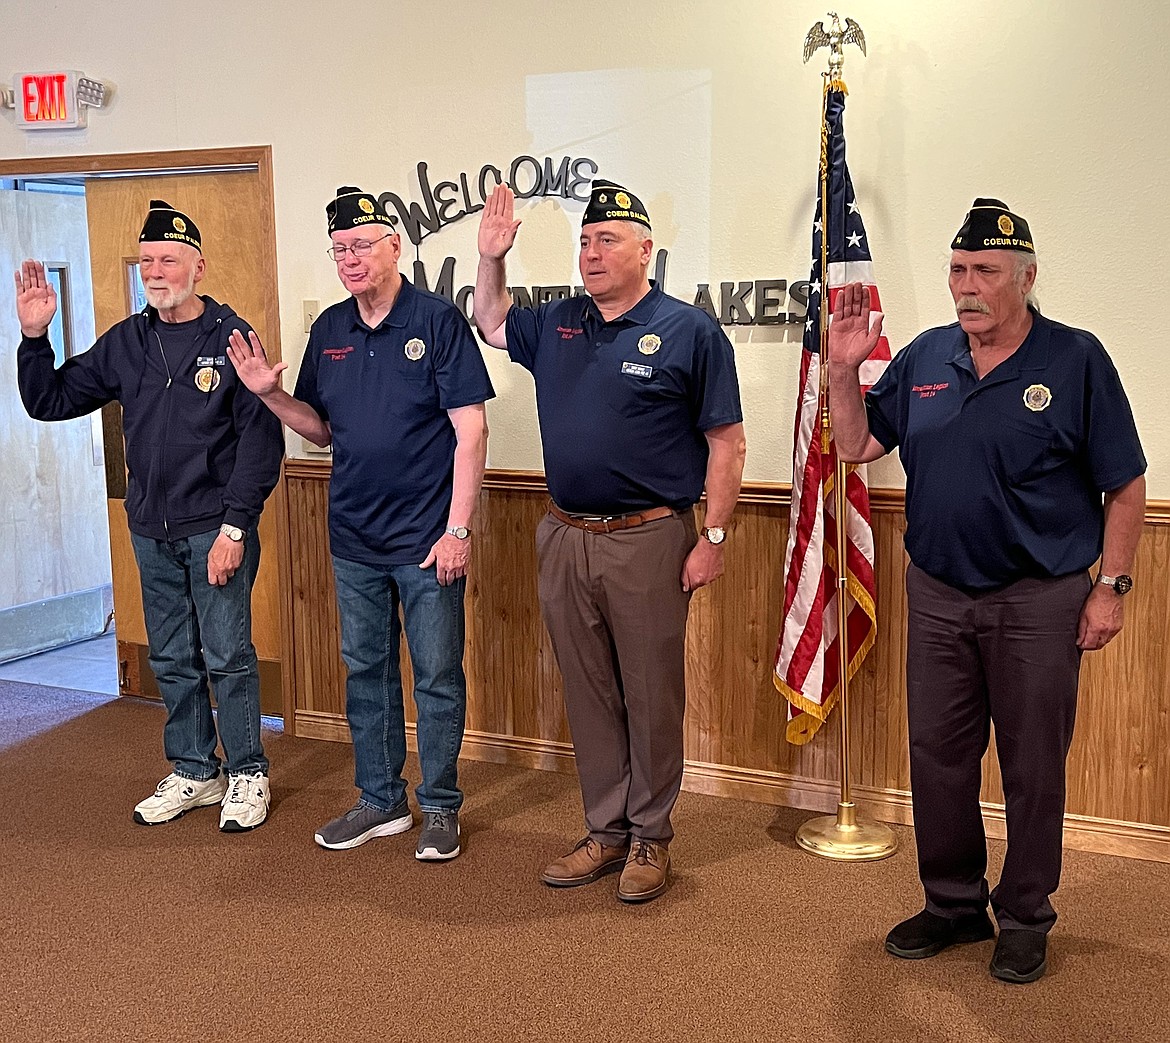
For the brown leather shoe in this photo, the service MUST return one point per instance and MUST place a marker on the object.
(646, 871)
(587, 862)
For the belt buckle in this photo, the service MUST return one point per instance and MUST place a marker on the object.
(598, 519)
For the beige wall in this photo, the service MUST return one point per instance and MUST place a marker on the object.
(52, 494)
(706, 111)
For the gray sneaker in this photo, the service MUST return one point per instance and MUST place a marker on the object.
(362, 823)
(439, 839)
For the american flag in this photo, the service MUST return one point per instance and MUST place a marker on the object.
(807, 670)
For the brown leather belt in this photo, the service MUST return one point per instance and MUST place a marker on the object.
(612, 523)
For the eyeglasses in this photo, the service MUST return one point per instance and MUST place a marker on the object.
(359, 248)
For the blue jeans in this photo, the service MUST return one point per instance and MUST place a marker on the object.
(368, 598)
(200, 633)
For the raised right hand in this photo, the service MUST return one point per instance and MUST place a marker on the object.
(36, 300)
(851, 340)
(252, 364)
(497, 224)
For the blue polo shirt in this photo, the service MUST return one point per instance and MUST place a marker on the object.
(1004, 475)
(385, 392)
(623, 405)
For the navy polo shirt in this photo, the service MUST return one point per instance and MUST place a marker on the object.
(385, 393)
(1004, 475)
(623, 405)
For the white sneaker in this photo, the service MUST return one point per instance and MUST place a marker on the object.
(175, 796)
(245, 804)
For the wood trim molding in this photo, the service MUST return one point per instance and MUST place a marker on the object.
(1081, 832)
(307, 468)
(777, 494)
(143, 163)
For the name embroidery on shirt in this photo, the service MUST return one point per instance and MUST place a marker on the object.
(929, 390)
(569, 332)
(337, 354)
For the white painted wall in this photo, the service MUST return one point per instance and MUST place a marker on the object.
(706, 111)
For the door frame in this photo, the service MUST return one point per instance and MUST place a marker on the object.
(192, 161)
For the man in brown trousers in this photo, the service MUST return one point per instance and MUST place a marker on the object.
(639, 412)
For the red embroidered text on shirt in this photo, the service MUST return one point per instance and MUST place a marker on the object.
(569, 332)
(337, 354)
(929, 390)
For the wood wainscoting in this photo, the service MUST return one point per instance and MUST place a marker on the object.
(1118, 796)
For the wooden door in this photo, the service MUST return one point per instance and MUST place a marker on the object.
(234, 215)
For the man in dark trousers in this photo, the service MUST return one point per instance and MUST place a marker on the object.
(202, 455)
(392, 377)
(639, 412)
(1023, 467)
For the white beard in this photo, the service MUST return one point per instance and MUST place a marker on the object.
(168, 300)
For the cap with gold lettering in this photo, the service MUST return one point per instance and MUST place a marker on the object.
(165, 224)
(990, 225)
(610, 202)
(354, 208)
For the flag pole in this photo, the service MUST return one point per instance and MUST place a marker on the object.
(841, 837)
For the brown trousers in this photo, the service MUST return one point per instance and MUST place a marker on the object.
(1007, 656)
(617, 615)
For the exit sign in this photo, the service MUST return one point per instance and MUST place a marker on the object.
(47, 100)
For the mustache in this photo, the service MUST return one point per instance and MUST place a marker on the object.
(972, 304)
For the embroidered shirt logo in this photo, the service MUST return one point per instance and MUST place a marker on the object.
(569, 332)
(415, 349)
(649, 344)
(929, 390)
(337, 354)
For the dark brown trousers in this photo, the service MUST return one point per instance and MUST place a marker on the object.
(1008, 656)
(617, 615)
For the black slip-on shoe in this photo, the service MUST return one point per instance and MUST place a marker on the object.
(927, 934)
(1020, 956)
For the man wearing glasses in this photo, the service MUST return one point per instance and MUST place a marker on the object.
(393, 379)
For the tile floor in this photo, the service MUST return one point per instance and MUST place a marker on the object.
(88, 666)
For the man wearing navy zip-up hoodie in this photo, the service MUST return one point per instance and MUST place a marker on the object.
(202, 455)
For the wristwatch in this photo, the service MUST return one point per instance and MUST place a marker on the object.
(231, 532)
(1120, 584)
(715, 534)
(460, 532)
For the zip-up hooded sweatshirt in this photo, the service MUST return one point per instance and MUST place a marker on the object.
(195, 458)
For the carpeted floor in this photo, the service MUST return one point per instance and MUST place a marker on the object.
(111, 931)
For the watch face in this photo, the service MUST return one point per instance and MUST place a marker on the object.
(1123, 584)
(460, 532)
(715, 535)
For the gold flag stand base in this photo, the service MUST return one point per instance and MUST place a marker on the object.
(842, 838)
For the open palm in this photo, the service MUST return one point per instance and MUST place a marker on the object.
(252, 364)
(498, 224)
(851, 339)
(36, 300)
